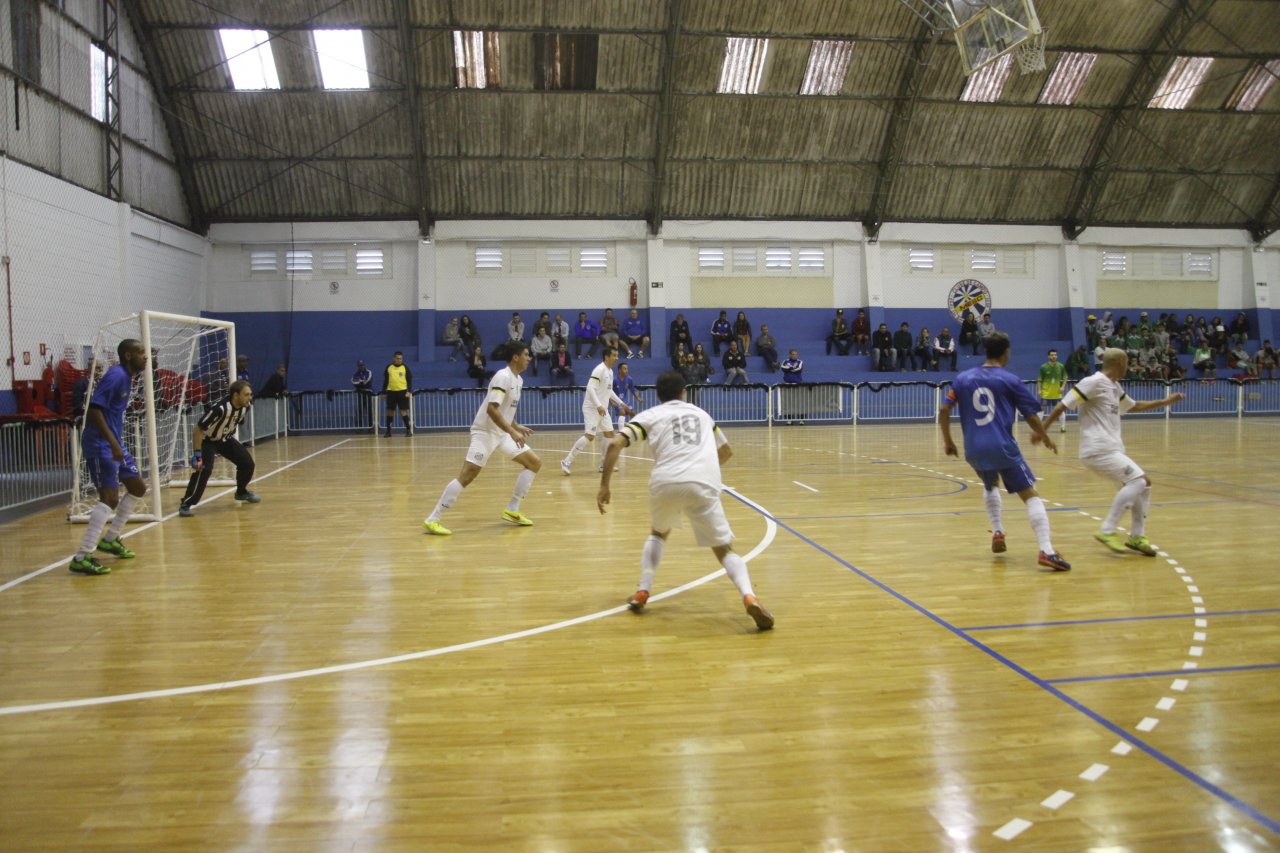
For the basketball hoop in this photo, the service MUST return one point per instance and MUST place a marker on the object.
(1030, 54)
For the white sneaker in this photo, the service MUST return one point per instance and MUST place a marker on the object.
(564, 466)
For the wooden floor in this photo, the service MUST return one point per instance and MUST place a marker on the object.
(313, 673)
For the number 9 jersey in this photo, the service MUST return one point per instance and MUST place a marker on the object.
(989, 399)
(685, 443)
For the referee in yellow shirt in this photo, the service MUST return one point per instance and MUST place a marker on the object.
(396, 382)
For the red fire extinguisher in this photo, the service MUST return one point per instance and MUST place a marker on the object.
(635, 293)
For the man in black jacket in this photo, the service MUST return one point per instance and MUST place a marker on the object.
(882, 351)
(902, 343)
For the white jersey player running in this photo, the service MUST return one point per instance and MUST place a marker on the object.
(495, 428)
(688, 450)
(595, 407)
(1101, 401)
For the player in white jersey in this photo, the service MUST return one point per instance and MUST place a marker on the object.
(495, 428)
(595, 407)
(688, 450)
(1101, 401)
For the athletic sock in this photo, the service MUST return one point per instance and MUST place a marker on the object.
(1128, 494)
(995, 504)
(447, 498)
(1040, 523)
(98, 517)
(650, 557)
(523, 483)
(736, 568)
(578, 446)
(1141, 507)
(123, 510)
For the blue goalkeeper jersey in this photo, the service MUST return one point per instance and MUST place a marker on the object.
(989, 399)
(111, 396)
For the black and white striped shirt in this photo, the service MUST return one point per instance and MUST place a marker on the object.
(221, 421)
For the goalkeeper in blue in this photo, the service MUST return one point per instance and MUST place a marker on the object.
(989, 399)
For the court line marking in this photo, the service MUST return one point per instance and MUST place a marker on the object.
(1159, 673)
(151, 524)
(803, 486)
(1235, 802)
(1121, 619)
(771, 531)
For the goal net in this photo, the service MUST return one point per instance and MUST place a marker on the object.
(189, 368)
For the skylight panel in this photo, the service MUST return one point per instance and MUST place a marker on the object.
(743, 67)
(1067, 78)
(1254, 86)
(987, 83)
(828, 65)
(342, 59)
(1180, 84)
(476, 62)
(100, 68)
(249, 59)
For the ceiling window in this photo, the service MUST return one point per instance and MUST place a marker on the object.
(743, 67)
(1255, 84)
(745, 258)
(828, 65)
(1115, 263)
(593, 259)
(333, 260)
(342, 59)
(566, 61)
(476, 62)
(1068, 76)
(100, 67)
(1180, 83)
(811, 258)
(987, 83)
(249, 59)
(558, 259)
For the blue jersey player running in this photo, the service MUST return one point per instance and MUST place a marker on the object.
(108, 462)
(989, 399)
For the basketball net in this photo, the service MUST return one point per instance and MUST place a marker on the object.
(1030, 54)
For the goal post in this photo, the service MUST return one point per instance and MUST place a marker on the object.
(191, 364)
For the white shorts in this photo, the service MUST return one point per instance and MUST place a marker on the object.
(701, 503)
(1114, 466)
(484, 442)
(596, 423)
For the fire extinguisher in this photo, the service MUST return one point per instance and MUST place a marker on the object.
(635, 293)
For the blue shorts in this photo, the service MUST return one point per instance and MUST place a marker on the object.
(107, 473)
(1016, 479)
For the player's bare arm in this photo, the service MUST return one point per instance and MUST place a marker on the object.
(611, 454)
(1148, 405)
(1038, 433)
(512, 429)
(944, 426)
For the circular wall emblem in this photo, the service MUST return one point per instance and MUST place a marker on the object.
(968, 295)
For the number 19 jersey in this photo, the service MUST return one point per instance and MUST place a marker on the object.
(989, 399)
(685, 443)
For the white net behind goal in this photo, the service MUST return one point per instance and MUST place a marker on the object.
(190, 367)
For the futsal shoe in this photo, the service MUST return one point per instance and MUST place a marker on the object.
(247, 497)
(564, 466)
(435, 528)
(1054, 561)
(185, 511)
(764, 619)
(1133, 543)
(997, 543)
(88, 566)
(638, 600)
(517, 518)
(1111, 540)
(116, 548)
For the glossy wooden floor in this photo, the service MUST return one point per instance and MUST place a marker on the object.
(918, 693)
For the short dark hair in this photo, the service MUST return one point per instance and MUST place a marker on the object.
(608, 351)
(126, 346)
(397, 352)
(514, 348)
(238, 386)
(995, 344)
(670, 386)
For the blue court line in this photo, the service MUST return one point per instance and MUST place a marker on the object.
(1181, 673)
(1196, 779)
(1120, 619)
(974, 511)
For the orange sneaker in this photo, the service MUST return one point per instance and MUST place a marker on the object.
(638, 600)
(764, 619)
(997, 543)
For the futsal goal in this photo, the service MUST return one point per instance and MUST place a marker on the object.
(190, 367)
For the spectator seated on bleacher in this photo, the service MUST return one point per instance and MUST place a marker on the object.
(478, 368)
(515, 328)
(767, 348)
(679, 335)
(540, 348)
(543, 322)
(742, 332)
(469, 335)
(677, 357)
(1266, 359)
(562, 364)
(861, 331)
(1173, 368)
(1239, 331)
(924, 351)
(841, 338)
(609, 330)
(735, 365)
(902, 345)
(1239, 360)
(452, 337)
(944, 348)
(704, 361)
(585, 332)
(635, 340)
(883, 354)
(1203, 360)
(721, 332)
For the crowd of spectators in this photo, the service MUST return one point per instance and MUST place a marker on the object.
(1154, 347)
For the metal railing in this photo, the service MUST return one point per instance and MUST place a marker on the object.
(36, 458)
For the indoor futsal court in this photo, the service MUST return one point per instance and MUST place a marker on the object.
(314, 673)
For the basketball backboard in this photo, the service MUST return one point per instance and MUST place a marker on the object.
(992, 28)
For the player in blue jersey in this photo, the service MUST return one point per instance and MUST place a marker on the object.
(989, 399)
(108, 462)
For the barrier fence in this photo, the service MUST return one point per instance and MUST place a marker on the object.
(36, 458)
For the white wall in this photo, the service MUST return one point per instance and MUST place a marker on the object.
(78, 261)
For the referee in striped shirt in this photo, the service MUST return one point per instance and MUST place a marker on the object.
(216, 434)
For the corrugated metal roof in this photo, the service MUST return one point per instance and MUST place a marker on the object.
(654, 121)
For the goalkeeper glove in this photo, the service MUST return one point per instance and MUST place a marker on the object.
(196, 461)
